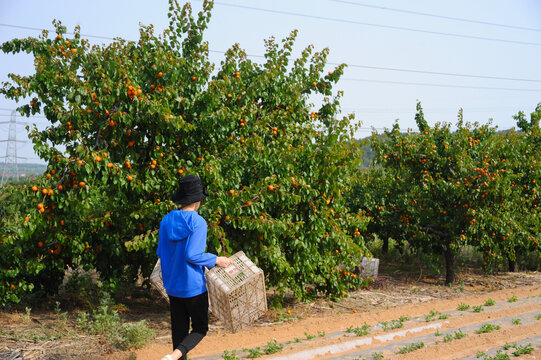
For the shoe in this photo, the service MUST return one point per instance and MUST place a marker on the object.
(167, 357)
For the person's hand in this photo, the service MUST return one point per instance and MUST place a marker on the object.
(223, 261)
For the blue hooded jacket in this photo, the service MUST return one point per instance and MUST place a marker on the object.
(181, 249)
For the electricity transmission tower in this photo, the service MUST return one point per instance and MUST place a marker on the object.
(11, 169)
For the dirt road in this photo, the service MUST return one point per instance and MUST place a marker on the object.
(496, 322)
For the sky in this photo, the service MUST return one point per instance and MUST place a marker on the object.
(481, 56)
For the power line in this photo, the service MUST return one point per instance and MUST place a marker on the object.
(349, 65)
(70, 33)
(426, 110)
(436, 73)
(391, 27)
(440, 85)
(436, 16)
(317, 17)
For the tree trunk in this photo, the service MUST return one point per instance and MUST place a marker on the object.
(513, 265)
(450, 259)
(385, 246)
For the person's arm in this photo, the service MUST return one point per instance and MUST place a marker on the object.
(196, 246)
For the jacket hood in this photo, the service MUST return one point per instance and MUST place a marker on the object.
(178, 224)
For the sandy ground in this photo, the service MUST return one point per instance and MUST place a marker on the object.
(49, 335)
(529, 301)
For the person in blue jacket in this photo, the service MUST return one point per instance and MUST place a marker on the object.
(182, 252)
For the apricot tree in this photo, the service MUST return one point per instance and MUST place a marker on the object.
(461, 187)
(129, 119)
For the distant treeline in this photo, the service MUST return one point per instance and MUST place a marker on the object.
(26, 172)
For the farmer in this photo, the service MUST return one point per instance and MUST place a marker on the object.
(181, 249)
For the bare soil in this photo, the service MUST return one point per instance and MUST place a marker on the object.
(48, 335)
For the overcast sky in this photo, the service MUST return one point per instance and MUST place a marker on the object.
(482, 56)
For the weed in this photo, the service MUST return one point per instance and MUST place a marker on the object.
(516, 321)
(42, 334)
(230, 355)
(282, 316)
(523, 350)
(486, 328)
(538, 317)
(134, 335)
(457, 335)
(377, 355)
(478, 308)
(297, 340)
(394, 324)
(499, 356)
(272, 347)
(512, 299)
(309, 336)
(490, 302)
(438, 333)
(106, 321)
(508, 346)
(462, 307)
(411, 347)
(443, 316)
(253, 353)
(57, 309)
(359, 331)
(447, 338)
(26, 316)
(432, 315)
(404, 318)
(480, 354)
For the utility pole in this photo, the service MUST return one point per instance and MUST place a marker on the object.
(11, 169)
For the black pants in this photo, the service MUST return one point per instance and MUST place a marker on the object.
(186, 310)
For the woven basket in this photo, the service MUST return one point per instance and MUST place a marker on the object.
(369, 268)
(237, 293)
(156, 280)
